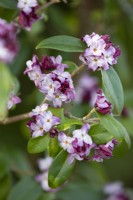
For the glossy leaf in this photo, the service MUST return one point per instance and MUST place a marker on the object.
(113, 88)
(99, 134)
(68, 122)
(114, 127)
(38, 144)
(5, 184)
(63, 43)
(6, 84)
(25, 189)
(72, 66)
(59, 112)
(60, 170)
(10, 4)
(54, 148)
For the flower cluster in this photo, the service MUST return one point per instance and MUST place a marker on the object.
(102, 105)
(8, 41)
(86, 89)
(42, 178)
(104, 151)
(51, 79)
(27, 15)
(42, 121)
(12, 100)
(115, 191)
(100, 52)
(80, 145)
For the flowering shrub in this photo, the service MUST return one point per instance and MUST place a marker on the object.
(53, 128)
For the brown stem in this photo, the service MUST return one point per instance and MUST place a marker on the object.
(89, 114)
(47, 5)
(76, 71)
(15, 119)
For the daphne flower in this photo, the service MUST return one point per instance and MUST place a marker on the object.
(27, 5)
(38, 128)
(102, 104)
(82, 135)
(66, 142)
(56, 98)
(47, 85)
(26, 20)
(97, 49)
(57, 85)
(12, 100)
(100, 52)
(86, 90)
(44, 164)
(91, 39)
(8, 41)
(39, 110)
(104, 151)
(49, 120)
(115, 191)
(42, 121)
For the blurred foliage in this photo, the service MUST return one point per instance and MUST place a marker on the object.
(76, 18)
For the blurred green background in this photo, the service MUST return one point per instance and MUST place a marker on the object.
(76, 18)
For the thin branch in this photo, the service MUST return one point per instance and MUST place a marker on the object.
(17, 118)
(46, 5)
(76, 71)
(89, 114)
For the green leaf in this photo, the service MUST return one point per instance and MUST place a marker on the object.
(5, 184)
(102, 138)
(10, 4)
(6, 84)
(114, 127)
(25, 189)
(68, 122)
(99, 134)
(72, 66)
(54, 148)
(38, 144)
(48, 196)
(60, 170)
(59, 112)
(63, 43)
(113, 88)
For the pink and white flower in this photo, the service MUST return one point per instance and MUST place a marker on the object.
(39, 110)
(115, 191)
(100, 52)
(82, 135)
(104, 151)
(13, 100)
(27, 15)
(86, 90)
(66, 142)
(42, 121)
(27, 5)
(8, 42)
(57, 85)
(102, 104)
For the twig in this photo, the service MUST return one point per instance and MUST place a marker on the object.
(89, 114)
(47, 5)
(15, 118)
(76, 71)
(23, 172)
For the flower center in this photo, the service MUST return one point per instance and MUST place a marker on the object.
(57, 96)
(41, 128)
(66, 142)
(94, 49)
(95, 59)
